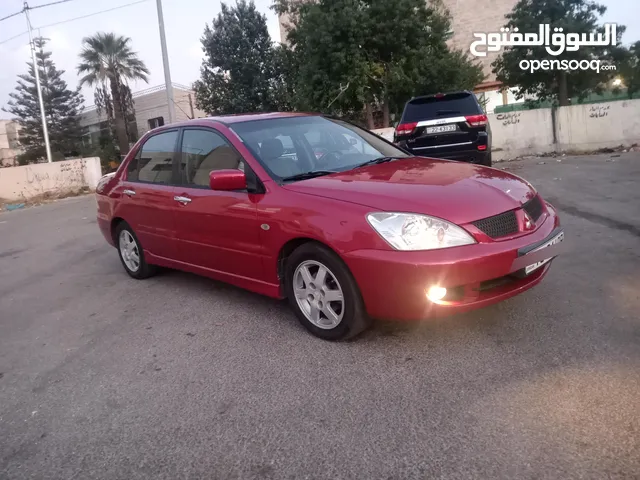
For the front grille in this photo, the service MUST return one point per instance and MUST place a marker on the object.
(533, 208)
(499, 225)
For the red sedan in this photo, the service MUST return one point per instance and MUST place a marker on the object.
(342, 223)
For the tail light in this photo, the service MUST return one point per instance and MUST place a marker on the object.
(406, 128)
(482, 147)
(476, 120)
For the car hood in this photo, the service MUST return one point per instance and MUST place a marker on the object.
(455, 191)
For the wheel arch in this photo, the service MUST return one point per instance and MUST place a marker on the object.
(115, 222)
(288, 248)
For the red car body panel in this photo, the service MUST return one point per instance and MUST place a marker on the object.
(220, 231)
(436, 187)
(239, 237)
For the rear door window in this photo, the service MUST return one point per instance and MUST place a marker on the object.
(447, 106)
(154, 161)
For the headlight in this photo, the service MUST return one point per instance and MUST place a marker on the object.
(410, 231)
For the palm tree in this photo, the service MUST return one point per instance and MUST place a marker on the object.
(107, 58)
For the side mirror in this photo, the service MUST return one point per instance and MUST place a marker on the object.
(227, 180)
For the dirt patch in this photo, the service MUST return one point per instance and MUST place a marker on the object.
(41, 199)
(619, 149)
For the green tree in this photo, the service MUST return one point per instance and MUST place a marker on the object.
(353, 54)
(330, 71)
(574, 16)
(61, 106)
(629, 68)
(239, 73)
(107, 63)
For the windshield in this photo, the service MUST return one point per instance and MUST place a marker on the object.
(292, 146)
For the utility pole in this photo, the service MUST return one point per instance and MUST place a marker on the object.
(45, 130)
(193, 115)
(165, 63)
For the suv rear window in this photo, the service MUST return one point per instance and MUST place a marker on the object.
(431, 107)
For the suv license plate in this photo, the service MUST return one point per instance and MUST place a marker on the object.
(442, 129)
(557, 239)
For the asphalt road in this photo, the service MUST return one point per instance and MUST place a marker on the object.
(180, 377)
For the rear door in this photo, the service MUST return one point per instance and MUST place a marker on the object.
(440, 121)
(147, 194)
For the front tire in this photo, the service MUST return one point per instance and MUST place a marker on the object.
(131, 253)
(323, 293)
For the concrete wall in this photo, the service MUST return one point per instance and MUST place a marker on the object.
(386, 133)
(601, 125)
(23, 183)
(580, 128)
(521, 133)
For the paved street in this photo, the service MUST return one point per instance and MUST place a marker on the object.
(180, 377)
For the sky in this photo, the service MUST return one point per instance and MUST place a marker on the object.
(184, 24)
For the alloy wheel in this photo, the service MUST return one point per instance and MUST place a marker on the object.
(318, 294)
(129, 251)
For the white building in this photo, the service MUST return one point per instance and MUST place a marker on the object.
(151, 111)
(9, 143)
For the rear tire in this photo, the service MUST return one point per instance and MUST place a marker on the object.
(486, 161)
(323, 293)
(131, 253)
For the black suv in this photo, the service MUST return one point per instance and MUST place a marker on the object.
(446, 125)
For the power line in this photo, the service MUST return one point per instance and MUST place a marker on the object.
(14, 37)
(72, 19)
(92, 14)
(31, 8)
(49, 4)
(12, 15)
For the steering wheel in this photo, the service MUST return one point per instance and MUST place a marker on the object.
(324, 159)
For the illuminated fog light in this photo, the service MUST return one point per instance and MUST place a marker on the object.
(435, 293)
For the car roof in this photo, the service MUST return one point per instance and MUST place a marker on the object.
(237, 118)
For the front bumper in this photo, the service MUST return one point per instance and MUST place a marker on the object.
(393, 284)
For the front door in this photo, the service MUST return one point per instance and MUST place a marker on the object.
(217, 230)
(148, 194)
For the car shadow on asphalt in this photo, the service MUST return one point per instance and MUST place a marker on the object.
(485, 320)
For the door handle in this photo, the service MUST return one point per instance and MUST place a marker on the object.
(129, 192)
(182, 200)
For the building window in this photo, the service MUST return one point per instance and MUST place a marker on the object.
(156, 122)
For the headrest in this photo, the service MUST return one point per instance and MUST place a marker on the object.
(271, 148)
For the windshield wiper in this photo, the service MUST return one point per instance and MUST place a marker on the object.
(443, 112)
(375, 161)
(307, 175)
